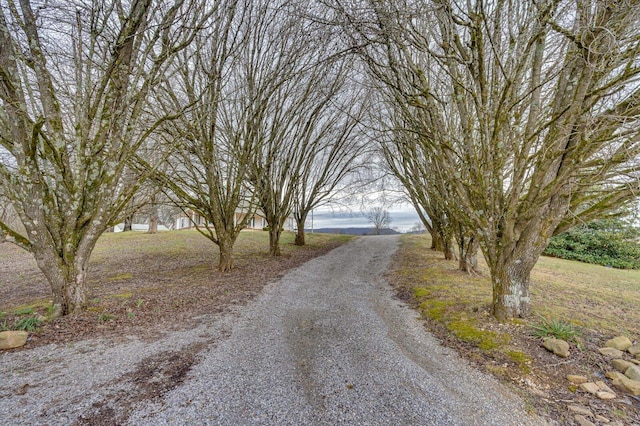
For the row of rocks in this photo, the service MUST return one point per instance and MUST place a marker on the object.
(12, 339)
(582, 415)
(623, 356)
(627, 372)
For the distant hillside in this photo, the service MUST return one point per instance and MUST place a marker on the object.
(353, 231)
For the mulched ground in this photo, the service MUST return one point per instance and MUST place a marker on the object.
(146, 284)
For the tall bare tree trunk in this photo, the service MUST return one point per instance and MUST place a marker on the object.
(436, 240)
(274, 240)
(511, 290)
(468, 261)
(67, 279)
(447, 249)
(468, 245)
(225, 244)
(153, 217)
(128, 223)
(300, 241)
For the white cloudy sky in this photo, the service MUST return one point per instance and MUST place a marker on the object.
(402, 218)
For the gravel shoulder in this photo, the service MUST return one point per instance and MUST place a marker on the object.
(326, 344)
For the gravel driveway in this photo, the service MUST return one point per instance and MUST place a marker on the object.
(327, 344)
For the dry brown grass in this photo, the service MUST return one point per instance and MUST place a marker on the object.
(597, 298)
(147, 283)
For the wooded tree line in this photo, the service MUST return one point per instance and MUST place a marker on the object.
(507, 122)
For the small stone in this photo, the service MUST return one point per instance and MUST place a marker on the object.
(583, 421)
(634, 350)
(577, 380)
(557, 346)
(633, 372)
(603, 386)
(614, 375)
(636, 361)
(13, 339)
(621, 365)
(605, 395)
(623, 382)
(621, 343)
(602, 419)
(611, 352)
(580, 409)
(590, 387)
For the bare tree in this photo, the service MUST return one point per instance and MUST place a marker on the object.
(295, 76)
(75, 80)
(207, 172)
(379, 217)
(530, 108)
(337, 154)
(419, 175)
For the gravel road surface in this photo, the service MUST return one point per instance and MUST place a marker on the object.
(327, 344)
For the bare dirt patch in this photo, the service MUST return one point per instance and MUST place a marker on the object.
(151, 379)
(456, 308)
(146, 284)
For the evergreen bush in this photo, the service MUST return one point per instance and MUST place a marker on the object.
(610, 242)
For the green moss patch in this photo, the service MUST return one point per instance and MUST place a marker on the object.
(484, 339)
(421, 292)
(121, 277)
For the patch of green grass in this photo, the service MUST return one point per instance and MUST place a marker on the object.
(139, 303)
(518, 356)
(125, 295)
(24, 311)
(106, 317)
(50, 310)
(556, 328)
(436, 309)
(27, 324)
(29, 308)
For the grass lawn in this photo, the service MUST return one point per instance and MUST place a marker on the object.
(145, 283)
(591, 296)
(601, 299)
(598, 302)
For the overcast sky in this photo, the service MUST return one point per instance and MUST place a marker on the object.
(402, 218)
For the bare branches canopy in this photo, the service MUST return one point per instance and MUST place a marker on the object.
(527, 111)
(75, 85)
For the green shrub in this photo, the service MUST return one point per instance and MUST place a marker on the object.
(604, 242)
(556, 328)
